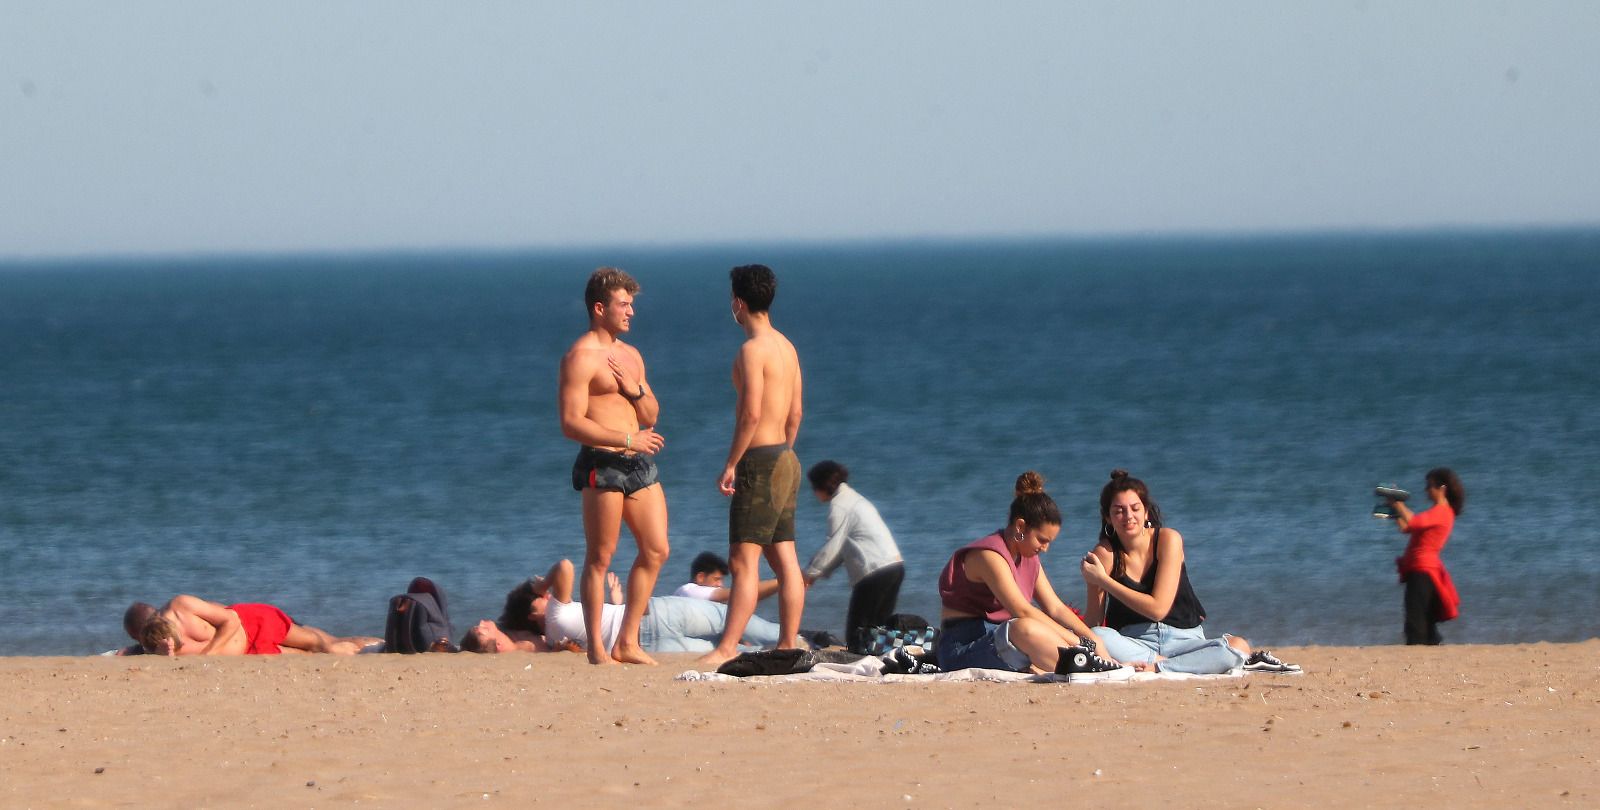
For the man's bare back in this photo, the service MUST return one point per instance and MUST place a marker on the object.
(761, 473)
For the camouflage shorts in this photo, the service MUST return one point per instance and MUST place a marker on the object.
(766, 484)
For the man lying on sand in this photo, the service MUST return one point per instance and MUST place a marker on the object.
(189, 625)
(540, 616)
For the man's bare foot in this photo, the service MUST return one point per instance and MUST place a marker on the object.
(716, 658)
(632, 654)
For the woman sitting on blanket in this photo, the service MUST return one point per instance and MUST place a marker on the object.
(1138, 585)
(999, 609)
(541, 616)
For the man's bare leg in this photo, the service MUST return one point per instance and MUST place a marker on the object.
(602, 524)
(306, 638)
(645, 512)
(744, 563)
(791, 592)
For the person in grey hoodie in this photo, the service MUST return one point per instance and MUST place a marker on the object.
(858, 539)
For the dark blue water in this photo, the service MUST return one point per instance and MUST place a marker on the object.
(314, 431)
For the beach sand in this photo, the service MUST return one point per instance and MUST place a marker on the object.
(1461, 726)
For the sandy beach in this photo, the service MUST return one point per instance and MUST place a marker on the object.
(1463, 726)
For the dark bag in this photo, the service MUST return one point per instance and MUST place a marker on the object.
(419, 620)
(769, 662)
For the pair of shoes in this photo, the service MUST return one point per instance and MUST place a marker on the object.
(1264, 661)
(1081, 665)
(902, 661)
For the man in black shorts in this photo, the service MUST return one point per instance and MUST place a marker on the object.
(607, 407)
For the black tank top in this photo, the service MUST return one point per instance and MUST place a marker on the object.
(1186, 610)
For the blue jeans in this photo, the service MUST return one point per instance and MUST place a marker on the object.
(977, 644)
(1184, 649)
(683, 624)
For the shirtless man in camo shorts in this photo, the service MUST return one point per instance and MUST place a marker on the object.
(762, 473)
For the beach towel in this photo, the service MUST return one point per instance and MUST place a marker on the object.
(868, 669)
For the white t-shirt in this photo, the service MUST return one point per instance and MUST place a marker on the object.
(563, 622)
(696, 591)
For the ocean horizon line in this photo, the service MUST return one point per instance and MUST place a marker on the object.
(1119, 239)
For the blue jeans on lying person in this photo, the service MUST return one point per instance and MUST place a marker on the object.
(683, 624)
(1184, 649)
(976, 644)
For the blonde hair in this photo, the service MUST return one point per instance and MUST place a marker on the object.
(155, 633)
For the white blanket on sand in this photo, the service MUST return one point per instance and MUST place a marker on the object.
(870, 670)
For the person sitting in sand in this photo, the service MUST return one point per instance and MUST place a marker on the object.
(999, 610)
(1138, 584)
(708, 575)
(541, 616)
(189, 625)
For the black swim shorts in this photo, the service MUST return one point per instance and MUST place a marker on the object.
(603, 469)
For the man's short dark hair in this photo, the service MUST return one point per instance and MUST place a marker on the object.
(708, 563)
(136, 617)
(755, 285)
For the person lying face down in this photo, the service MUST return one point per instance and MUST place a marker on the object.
(189, 625)
(541, 616)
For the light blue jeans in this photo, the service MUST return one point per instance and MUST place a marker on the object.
(1184, 649)
(683, 624)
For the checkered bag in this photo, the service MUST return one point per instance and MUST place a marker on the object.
(903, 630)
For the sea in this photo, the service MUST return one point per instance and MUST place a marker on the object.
(315, 430)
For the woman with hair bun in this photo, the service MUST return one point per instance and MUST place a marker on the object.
(1430, 594)
(1138, 587)
(858, 538)
(999, 610)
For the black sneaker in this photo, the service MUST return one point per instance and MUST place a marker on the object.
(1081, 665)
(1264, 661)
(901, 661)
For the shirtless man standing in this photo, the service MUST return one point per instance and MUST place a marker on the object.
(762, 474)
(189, 625)
(608, 409)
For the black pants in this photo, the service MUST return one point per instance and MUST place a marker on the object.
(872, 601)
(1421, 602)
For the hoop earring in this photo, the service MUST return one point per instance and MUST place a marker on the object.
(1148, 524)
(1105, 529)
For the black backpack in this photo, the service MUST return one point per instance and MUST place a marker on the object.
(419, 620)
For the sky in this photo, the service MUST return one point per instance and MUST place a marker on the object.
(193, 128)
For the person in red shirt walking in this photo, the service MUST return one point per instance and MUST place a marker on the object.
(1430, 595)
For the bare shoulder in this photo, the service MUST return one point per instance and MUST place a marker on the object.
(773, 346)
(1103, 550)
(784, 344)
(582, 354)
(1169, 540)
(187, 603)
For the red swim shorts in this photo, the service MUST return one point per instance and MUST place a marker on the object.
(265, 627)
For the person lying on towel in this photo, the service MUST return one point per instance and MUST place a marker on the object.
(540, 615)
